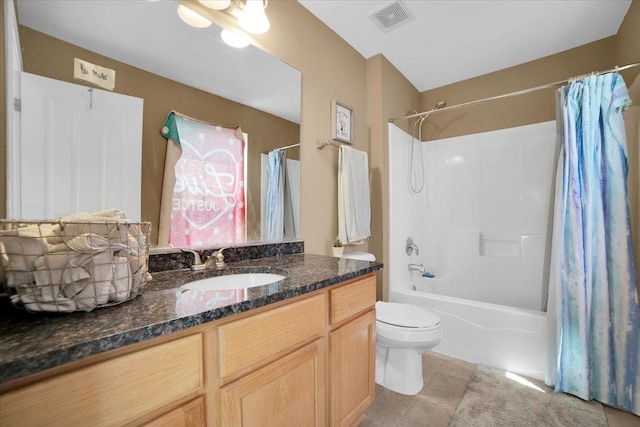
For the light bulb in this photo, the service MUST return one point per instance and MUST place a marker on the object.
(216, 4)
(234, 38)
(192, 18)
(253, 19)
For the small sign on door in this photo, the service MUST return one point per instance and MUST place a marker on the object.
(100, 76)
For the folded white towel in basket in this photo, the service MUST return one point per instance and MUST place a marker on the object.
(90, 242)
(94, 291)
(80, 262)
(30, 302)
(20, 248)
(60, 268)
(110, 214)
(103, 223)
(120, 288)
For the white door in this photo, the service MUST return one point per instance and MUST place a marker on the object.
(13, 63)
(81, 150)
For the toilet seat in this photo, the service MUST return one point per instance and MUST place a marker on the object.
(406, 316)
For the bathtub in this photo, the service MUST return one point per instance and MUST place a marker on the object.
(513, 339)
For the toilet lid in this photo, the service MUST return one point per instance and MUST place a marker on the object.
(405, 315)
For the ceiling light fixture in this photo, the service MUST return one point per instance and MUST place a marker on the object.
(216, 4)
(250, 14)
(253, 19)
(192, 18)
(234, 38)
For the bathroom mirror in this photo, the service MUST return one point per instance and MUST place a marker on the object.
(172, 66)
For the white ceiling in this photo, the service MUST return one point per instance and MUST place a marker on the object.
(149, 35)
(453, 40)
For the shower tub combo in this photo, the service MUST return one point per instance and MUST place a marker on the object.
(480, 225)
(496, 335)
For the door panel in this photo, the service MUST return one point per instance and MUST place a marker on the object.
(288, 392)
(81, 150)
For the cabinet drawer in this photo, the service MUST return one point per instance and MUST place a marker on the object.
(351, 299)
(253, 339)
(112, 392)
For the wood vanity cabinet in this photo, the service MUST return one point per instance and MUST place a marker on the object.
(307, 361)
(352, 351)
(191, 414)
(111, 391)
(272, 366)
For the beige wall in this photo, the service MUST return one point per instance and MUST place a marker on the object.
(390, 94)
(629, 42)
(517, 110)
(50, 57)
(331, 69)
(536, 107)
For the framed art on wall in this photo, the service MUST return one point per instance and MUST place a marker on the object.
(341, 122)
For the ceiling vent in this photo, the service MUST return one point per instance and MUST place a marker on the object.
(391, 17)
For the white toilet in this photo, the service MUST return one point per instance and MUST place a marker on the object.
(403, 333)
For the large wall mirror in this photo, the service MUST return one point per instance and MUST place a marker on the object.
(172, 67)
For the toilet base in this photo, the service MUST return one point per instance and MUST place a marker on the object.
(400, 369)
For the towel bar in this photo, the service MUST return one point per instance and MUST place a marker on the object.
(322, 144)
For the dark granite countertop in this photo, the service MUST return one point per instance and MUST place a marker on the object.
(30, 343)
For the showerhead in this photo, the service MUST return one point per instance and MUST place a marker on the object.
(423, 116)
(440, 105)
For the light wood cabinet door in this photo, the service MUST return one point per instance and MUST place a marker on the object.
(113, 392)
(288, 392)
(190, 414)
(352, 365)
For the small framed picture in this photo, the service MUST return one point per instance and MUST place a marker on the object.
(341, 122)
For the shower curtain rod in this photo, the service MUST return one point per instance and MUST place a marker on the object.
(506, 95)
(286, 147)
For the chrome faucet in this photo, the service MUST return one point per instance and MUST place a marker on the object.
(215, 260)
(197, 264)
(417, 267)
(420, 268)
(411, 247)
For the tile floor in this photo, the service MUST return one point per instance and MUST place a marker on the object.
(446, 381)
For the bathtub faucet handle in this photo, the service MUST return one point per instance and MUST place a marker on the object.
(417, 267)
(411, 247)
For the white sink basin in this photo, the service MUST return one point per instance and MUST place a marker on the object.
(233, 281)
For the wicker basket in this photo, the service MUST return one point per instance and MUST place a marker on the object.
(67, 266)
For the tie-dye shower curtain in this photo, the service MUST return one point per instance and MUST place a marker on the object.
(593, 315)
